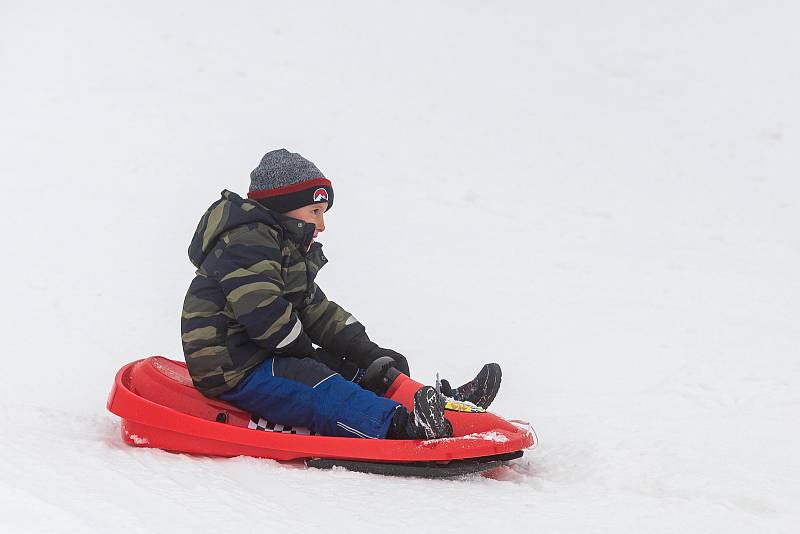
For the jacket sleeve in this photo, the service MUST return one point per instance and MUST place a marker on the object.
(247, 264)
(333, 328)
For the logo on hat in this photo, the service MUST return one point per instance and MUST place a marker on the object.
(321, 194)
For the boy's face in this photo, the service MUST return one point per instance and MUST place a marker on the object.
(313, 213)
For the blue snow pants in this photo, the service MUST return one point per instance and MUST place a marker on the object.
(303, 392)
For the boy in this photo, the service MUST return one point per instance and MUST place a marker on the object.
(253, 312)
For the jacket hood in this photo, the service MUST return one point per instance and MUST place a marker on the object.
(225, 214)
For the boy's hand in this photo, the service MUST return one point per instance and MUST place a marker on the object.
(400, 361)
(364, 351)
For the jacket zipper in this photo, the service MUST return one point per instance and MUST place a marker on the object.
(304, 250)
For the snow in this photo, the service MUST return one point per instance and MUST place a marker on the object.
(138, 440)
(496, 437)
(602, 197)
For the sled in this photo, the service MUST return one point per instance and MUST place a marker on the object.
(160, 407)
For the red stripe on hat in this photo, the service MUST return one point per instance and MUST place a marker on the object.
(266, 193)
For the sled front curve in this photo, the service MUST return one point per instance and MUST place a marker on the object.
(161, 408)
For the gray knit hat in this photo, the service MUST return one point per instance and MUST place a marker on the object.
(284, 181)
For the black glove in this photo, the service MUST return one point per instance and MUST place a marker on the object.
(400, 362)
(363, 352)
(380, 375)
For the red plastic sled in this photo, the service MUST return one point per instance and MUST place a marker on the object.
(161, 408)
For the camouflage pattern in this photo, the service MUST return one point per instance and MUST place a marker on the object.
(254, 294)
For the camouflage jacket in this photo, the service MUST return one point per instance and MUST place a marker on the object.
(254, 294)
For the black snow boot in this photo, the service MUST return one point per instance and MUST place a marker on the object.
(427, 421)
(480, 391)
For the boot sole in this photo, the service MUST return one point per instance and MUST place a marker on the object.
(429, 414)
(490, 384)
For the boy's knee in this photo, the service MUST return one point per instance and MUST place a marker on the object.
(307, 371)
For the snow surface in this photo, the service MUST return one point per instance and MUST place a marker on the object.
(601, 196)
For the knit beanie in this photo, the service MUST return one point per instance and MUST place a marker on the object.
(285, 181)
